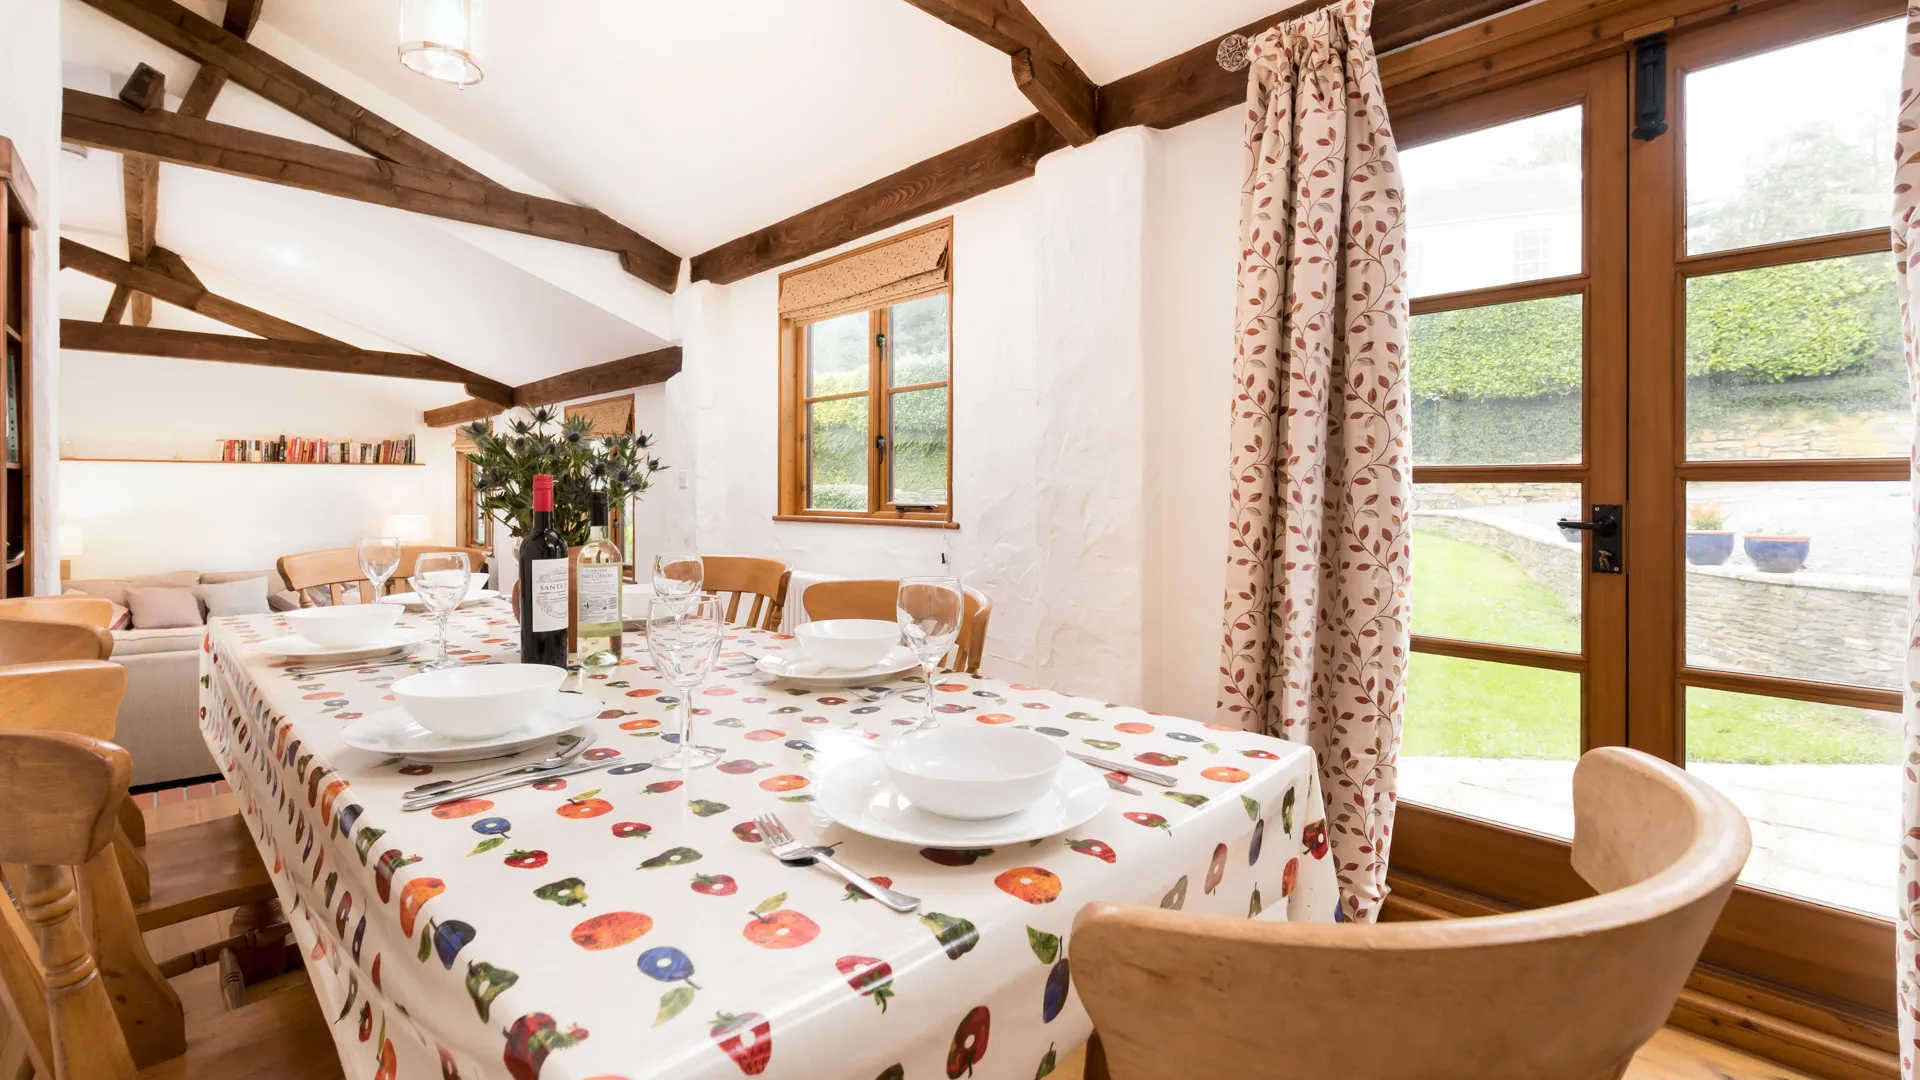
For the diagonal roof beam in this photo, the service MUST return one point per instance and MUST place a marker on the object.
(240, 19)
(1041, 68)
(610, 377)
(145, 90)
(91, 120)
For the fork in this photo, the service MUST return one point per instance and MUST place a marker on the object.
(783, 846)
(555, 761)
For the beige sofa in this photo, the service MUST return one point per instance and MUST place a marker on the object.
(159, 720)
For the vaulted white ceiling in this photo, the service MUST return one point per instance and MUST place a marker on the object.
(692, 121)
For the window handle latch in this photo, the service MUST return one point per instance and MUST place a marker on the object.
(880, 443)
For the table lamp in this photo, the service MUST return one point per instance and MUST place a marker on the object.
(70, 548)
(408, 528)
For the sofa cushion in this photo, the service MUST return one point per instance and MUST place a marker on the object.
(122, 619)
(244, 596)
(141, 642)
(161, 607)
(115, 589)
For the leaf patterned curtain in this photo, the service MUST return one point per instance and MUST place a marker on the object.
(1906, 248)
(1316, 621)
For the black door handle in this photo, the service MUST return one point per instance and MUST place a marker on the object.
(1605, 527)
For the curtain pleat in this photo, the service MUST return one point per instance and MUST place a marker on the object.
(1906, 187)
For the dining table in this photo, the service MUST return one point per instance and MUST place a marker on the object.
(628, 922)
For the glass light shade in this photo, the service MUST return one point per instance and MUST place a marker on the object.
(441, 39)
(408, 528)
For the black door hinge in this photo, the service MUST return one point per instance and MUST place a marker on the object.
(1650, 88)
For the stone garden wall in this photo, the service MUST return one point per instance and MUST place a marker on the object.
(1797, 626)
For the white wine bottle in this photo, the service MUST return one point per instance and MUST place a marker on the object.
(597, 580)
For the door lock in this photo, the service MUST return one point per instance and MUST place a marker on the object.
(1606, 531)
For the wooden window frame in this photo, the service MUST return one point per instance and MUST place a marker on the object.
(1836, 965)
(794, 474)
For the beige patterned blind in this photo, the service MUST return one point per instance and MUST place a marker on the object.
(914, 264)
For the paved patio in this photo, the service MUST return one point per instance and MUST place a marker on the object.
(1828, 833)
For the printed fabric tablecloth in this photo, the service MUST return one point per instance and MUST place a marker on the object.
(626, 923)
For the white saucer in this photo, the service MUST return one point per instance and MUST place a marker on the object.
(858, 794)
(412, 602)
(803, 672)
(393, 642)
(392, 731)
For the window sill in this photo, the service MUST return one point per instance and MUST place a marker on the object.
(836, 519)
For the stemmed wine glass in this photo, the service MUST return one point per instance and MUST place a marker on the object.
(684, 636)
(379, 558)
(678, 575)
(929, 611)
(441, 577)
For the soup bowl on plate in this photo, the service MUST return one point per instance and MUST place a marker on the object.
(481, 701)
(343, 626)
(972, 773)
(847, 644)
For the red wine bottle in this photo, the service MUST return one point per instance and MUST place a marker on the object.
(543, 584)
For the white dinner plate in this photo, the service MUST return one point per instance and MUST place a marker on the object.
(858, 794)
(412, 602)
(389, 643)
(803, 672)
(392, 731)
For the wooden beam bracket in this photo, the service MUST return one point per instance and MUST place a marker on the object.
(608, 378)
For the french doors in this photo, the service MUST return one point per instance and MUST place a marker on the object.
(1660, 465)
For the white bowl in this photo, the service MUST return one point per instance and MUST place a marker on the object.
(342, 626)
(634, 600)
(847, 644)
(478, 702)
(972, 773)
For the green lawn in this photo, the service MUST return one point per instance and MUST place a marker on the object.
(1468, 708)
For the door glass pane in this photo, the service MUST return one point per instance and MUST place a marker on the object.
(837, 355)
(837, 454)
(1795, 142)
(1498, 385)
(1494, 741)
(1491, 565)
(917, 351)
(919, 447)
(1495, 206)
(1820, 785)
(1796, 361)
(1800, 579)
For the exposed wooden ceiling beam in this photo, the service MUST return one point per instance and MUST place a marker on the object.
(145, 91)
(240, 19)
(1041, 67)
(233, 349)
(91, 120)
(279, 82)
(1172, 92)
(608, 378)
(242, 16)
(188, 294)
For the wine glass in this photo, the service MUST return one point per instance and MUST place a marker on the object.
(684, 637)
(677, 575)
(379, 558)
(441, 577)
(929, 610)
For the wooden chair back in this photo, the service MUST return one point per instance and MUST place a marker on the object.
(60, 795)
(874, 599)
(1567, 992)
(736, 577)
(337, 568)
(410, 558)
(93, 611)
(24, 641)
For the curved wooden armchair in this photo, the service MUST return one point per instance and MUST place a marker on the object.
(740, 576)
(336, 568)
(24, 641)
(95, 611)
(65, 988)
(1560, 993)
(874, 599)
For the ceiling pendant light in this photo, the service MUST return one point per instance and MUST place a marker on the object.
(441, 39)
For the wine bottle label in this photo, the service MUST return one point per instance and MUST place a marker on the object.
(599, 594)
(549, 594)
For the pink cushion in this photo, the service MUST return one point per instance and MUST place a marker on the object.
(161, 608)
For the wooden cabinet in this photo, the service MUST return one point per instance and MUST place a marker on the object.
(17, 331)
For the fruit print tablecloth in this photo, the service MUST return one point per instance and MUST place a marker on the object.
(626, 923)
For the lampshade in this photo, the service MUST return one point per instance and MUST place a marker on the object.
(70, 542)
(408, 528)
(441, 39)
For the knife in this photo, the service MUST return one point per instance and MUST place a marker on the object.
(513, 782)
(1135, 771)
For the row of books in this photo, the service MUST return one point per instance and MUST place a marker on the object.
(317, 451)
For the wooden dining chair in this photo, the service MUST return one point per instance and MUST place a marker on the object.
(95, 611)
(174, 874)
(874, 599)
(1564, 993)
(410, 558)
(63, 986)
(36, 641)
(738, 576)
(332, 570)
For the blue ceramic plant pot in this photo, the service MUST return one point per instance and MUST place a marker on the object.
(1777, 554)
(1709, 548)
